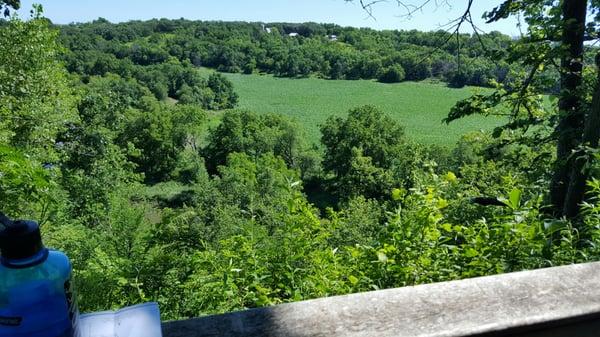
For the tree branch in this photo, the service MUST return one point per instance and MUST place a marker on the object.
(454, 25)
(409, 8)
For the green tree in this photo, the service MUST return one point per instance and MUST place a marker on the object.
(364, 179)
(556, 31)
(6, 5)
(93, 167)
(35, 100)
(261, 186)
(366, 128)
(255, 135)
(392, 74)
(367, 154)
(160, 134)
(35, 104)
(25, 185)
(224, 96)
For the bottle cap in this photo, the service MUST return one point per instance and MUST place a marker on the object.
(20, 239)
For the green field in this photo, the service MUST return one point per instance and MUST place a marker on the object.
(418, 106)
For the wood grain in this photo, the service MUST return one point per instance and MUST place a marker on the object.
(560, 301)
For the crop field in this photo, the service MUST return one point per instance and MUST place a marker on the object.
(418, 106)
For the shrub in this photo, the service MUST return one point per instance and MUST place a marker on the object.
(392, 74)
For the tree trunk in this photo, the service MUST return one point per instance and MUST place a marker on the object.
(571, 116)
(591, 135)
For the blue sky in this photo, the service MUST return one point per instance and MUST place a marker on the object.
(329, 11)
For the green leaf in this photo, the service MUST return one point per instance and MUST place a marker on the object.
(515, 198)
(450, 177)
(382, 257)
(442, 203)
(397, 194)
(470, 252)
(553, 226)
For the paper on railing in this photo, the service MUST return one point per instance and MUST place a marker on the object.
(142, 320)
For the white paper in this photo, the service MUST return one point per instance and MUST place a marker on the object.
(142, 320)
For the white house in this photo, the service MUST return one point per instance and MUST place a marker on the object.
(332, 37)
(293, 34)
(266, 29)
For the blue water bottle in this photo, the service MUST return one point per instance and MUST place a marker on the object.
(36, 295)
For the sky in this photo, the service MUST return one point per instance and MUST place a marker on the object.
(387, 15)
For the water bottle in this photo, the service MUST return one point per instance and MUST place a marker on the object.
(36, 294)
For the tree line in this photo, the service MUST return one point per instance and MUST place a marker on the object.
(283, 49)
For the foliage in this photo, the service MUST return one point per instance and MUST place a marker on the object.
(261, 186)
(366, 153)
(151, 204)
(365, 128)
(238, 47)
(35, 101)
(255, 135)
(35, 104)
(224, 96)
(392, 74)
(24, 183)
(5, 5)
(556, 32)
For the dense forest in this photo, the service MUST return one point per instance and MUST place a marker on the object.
(141, 169)
(293, 50)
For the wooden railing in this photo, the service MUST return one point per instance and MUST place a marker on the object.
(560, 301)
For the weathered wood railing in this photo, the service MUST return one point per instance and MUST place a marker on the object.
(560, 301)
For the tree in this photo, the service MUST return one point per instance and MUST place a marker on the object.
(556, 30)
(364, 179)
(567, 191)
(366, 128)
(392, 74)
(255, 135)
(5, 5)
(35, 100)
(35, 105)
(458, 79)
(366, 153)
(262, 186)
(24, 185)
(134, 48)
(417, 67)
(224, 96)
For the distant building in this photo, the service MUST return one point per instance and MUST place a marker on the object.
(293, 34)
(332, 37)
(266, 29)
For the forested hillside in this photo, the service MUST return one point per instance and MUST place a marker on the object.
(140, 168)
(291, 50)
